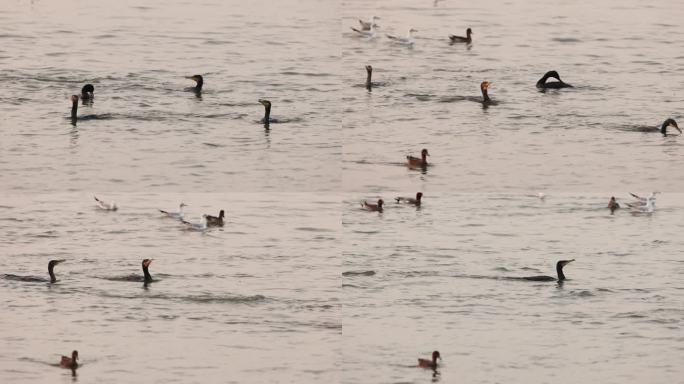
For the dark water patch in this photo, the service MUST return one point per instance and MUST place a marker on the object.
(358, 273)
(213, 145)
(313, 229)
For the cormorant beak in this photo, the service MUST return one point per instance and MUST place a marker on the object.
(674, 125)
(59, 261)
(568, 262)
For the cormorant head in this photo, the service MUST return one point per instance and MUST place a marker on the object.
(146, 263)
(553, 74)
(88, 88)
(369, 69)
(436, 355)
(196, 78)
(424, 152)
(673, 124)
(562, 263)
(74, 99)
(469, 31)
(52, 263)
(265, 103)
(485, 85)
(380, 203)
(419, 196)
(221, 214)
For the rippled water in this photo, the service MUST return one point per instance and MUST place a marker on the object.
(301, 285)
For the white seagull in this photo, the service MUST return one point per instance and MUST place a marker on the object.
(642, 200)
(175, 215)
(201, 225)
(107, 206)
(367, 25)
(370, 33)
(408, 40)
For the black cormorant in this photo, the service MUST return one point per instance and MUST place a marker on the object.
(199, 80)
(559, 270)
(543, 84)
(267, 112)
(87, 92)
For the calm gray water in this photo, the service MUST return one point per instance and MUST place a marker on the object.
(301, 285)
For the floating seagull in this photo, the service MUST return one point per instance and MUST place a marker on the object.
(370, 33)
(175, 215)
(411, 200)
(201, 225)
(643, 200)
(107, 206)
(541, 196)
(460, 39)
(372, 207)
(368, 25)
(408, 40)
(647, 207)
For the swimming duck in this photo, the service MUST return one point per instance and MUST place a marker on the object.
(425, 363)
(411, 200)
(69, 362)
(613, 205)
(543, 84)
(418, 162)
(214, 221)
(460, 39)
(373, 207)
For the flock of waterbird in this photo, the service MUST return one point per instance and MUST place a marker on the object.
(111, 206)
(368, 29)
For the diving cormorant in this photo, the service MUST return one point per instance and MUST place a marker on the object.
(543, 84)
(559, 270)
(87, 92)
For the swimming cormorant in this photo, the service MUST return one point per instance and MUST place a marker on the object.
(411, 200)
(373, 207)
(543, 84)
(483, 88)
(69, 362)
(199, 80)
(214, 221)
(35, 279)
(613, 205)
(145, 265)
(418, 162)
(425, 363)
(74, 106)
(87, 92)
(267, 112)
(460, 39)
(663, 128)
(559, 270)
